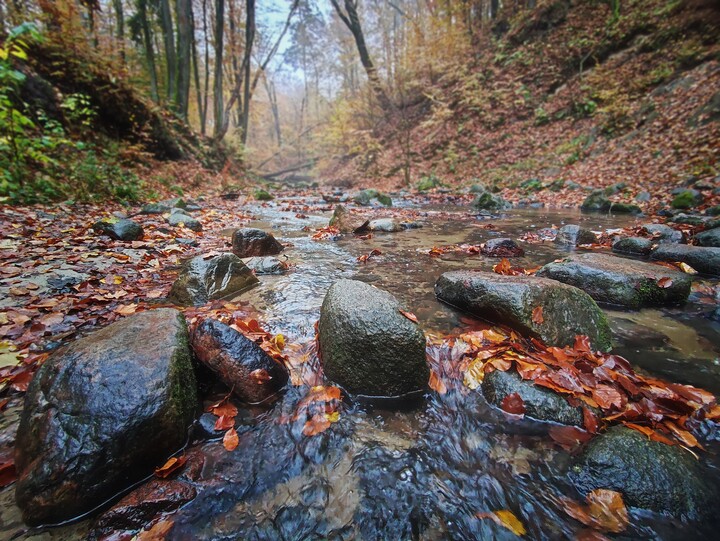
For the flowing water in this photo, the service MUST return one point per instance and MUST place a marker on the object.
(424, 470)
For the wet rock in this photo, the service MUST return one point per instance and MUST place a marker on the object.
(567, 311)
(540, 403)
(202, 280)
(179, 217)
(572, 235)
(267, 265)
(624, 208)
(365, 198)
(488, 201)
(687, 199)
(709, 238)
(345, 221)
(263, 195)
(411, 225)
(502, 248)
(368, 347)
(385, 225)
(649, 474)
(663, 234)
(249, 242)
(101, 412)
(161, 207)
(596, 201)
(632, 246)
(477, 188)
(119, 229)
(239, 362)
(691, 219)
(713, 211)
(702, 259)
(623, 282)
(142, 505)
(615, 188)
(643, 197)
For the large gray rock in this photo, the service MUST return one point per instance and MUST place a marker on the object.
(267, 265)
(164, 206)
(182, 218)
(101, 412)
(624, 282)
(201, 280)
(649, 474)
(702, 259)
(488, 201)
(385, 225)
(367, 346)
(596, 201)
(119, 229)
(572, 235)
(663, 234)
(239, 362)
(540, 403)
(250, 242)
(709, 238)
(345, 221)
(632, 246)
(567, 311)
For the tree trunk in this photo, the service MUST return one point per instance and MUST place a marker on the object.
(218, 83)
(247, 65)
(352, 21)
(120, 28)
(149, 49)
(272, 96)
(166, 24)
(196, 75)
(203, 116)
(185, 34)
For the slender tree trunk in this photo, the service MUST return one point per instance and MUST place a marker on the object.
(352, 21)
(120, 27)
(203, 117)
(272, 96)
(166, 24)
(218, 83)
(185, 35)
(149, 49)
(247, 65)
(196, 75)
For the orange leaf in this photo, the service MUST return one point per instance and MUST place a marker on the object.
(665, 282)
(437, 384)
(412, 317)
(605, 511)
(513, 403)
(224, 423)
(506, 519)
(172, 465)
(231, 440)
(607, 397)
(537, 315)
(260, 376)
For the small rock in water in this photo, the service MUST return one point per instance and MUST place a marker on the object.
(489, 201)
(573, 235)
(267, 265)
(502, 248)
(181, 218)
(201, 280)
(345, 221)
(597, 201)
(368, 346)
(702, 259)
(119, 229)
(632, 245)
(101, 412)
(663, 234)
(250, 242)
(385, 225)
(239, 362)
(624, 282)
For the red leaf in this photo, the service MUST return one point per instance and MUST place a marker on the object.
(172, 465)
(412, 317)
(590, 421)
(8, 475)
(569, 437)
(231, 440)
(537, 315)
(607, 397)
(664, 282)
(513, 403)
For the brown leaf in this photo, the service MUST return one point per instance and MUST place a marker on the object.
(590, 421)
(158, 532)
(569, 437)
(537, 315)
(437, 384)
(172, 465)
(260, 376)
(224, 422)
(223, 408)
(665, 282)
(412, 317)
(607, 397)
(605, 510)
(231, 440)
(513, 403)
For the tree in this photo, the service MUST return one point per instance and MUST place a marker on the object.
(166, 24)
(351, 19)
(220, 129)
(185, 32)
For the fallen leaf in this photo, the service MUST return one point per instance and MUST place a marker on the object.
(569, 437)
(231, 440)
(537, 315)
(665, 282)
(605, 510)
(172, 465)
(260, 376)
(8, 475)
(412, 317)
(513, 403)
(437, 384)
(224, 422)
(687, 269)
(507, 519)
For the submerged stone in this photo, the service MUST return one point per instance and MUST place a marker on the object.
(367, 346)
(250, 242)
(649, 474)
(239, 362)
(202, 280)
(567, 311)
(624, 282)
(101, 412)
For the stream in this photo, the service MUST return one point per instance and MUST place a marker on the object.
(422, 471)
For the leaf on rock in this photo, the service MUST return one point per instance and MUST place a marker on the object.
(231, 440)
(605, 511)
(260, 376)
(412, 317)
(224, 422)
(569, 437)
(172, 465)
(513, 403)
(506, 519)
(687, 269)
(436, 383)
(665, 282)
(537, 315)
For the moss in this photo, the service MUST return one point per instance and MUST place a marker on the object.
(684, 200)
(183, 389)
(384, 199)
(262, 195)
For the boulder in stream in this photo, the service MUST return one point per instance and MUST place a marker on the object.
(663, 234)
(649, 474)
(267, 265)
(365, 198)
(239, 362)
(385, 225)
(367, 345)
(572, 235)
(540, 403)
(489, 201)
(345, 221)
(202, 280)
(250, 242)
(503, 247)
(702, 259)
(710, 238)
(624, 282)
(101, 412)
(119, 229)
(596, 201)
(566, 310)
(632, 246)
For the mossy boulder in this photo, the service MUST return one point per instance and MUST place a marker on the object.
(540, 403)
(597, 201)
(701, 258)
(489, 201)
(713, 211)
(365, 198)
(567, 311)
(101, 413)
(649, 474)
(709, 238)
(428, 183)
(201, 280)
(119, 229)
(623, 282)
(367, 346)
(263, 195)
(687, 199)
(624, 208)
